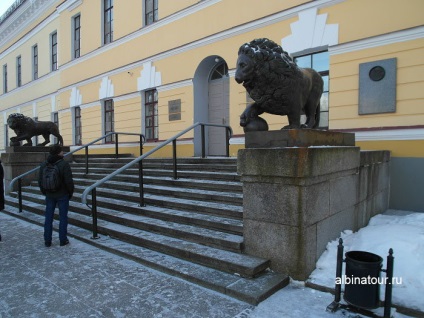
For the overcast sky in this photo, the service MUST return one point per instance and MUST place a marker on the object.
(4, 5)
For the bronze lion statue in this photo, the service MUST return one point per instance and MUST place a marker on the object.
(25, 128)
(277, 86)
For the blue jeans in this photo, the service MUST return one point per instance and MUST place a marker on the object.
(63, 205)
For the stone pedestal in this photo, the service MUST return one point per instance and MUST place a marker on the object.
(20, 159)
(297, 199)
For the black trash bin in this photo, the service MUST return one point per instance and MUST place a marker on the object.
(362, 280)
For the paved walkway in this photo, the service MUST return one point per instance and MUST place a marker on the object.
(79, 280)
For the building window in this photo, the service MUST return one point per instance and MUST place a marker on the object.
(76, 36)
(109, 120)
(108, 21)
(55, 116)
(35, 62)
(53, 48)
(151, 9)
(19, 71)
(151, 121)
(5, 78)
(320, 62)
(36, 136)
(77, 125)
(6, 135)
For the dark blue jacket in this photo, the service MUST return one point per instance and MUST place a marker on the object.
(67, 186)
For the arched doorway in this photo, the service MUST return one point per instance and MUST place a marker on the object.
(211, 104)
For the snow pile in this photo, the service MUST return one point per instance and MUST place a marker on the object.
(405, 235)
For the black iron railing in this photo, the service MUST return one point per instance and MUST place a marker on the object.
(92, 189)
(20, 177)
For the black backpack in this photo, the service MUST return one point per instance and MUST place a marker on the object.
(51, 180)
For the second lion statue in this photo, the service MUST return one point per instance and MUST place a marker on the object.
(277, 86)
(25, 128)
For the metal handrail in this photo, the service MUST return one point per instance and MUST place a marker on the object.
(19, 178)
(138, 160)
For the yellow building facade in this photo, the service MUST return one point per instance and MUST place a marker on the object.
(157, 66)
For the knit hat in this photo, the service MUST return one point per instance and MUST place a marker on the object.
(55, 150)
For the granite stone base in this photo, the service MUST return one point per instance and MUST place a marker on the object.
(21, 159)
(297, 199)
(297, 138)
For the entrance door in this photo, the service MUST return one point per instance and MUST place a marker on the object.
(218, 114)
(219, 109)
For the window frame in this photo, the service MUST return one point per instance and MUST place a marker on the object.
(5, 88)
(19, 71)
(323, 73)
(153, 12)
(76, 36)
(106, 111)
(35, 62)
(107, 21)
(53, 51)
(154, 117)
(55, 120)
(77, 126)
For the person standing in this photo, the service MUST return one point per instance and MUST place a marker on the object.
(59, 196)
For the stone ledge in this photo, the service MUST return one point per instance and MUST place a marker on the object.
(297, 138)
(33, 149)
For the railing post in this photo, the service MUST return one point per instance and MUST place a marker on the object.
(94, 212)
(227, 141)
(338, 287)
(334, 306)
(116, 145)
(20, 194)
(174, 157)
(86, 160)
(202, 135)
(140, 177)
(389, 282)
(141, 145)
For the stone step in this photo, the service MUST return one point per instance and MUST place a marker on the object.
(161, 166)
(190, 232)
(169, 191)
(250, 290)
(228, 261)
(202, 175)
(204, 220)
(232, 161)
(215, 185)
(211, 208)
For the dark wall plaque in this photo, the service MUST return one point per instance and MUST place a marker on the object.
(174, 109)
(377, 87)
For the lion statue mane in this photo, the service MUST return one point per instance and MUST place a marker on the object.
(25, 128)
(277, 86)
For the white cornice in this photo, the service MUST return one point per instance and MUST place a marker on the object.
(175, 85)
(29, 35)
(26, 14)
(69, 5)
(376, 41)
(251, 26)
(390, 134)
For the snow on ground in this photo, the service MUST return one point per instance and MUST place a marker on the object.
(403, 233)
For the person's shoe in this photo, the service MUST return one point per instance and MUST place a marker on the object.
(64, 243)
(48, 244)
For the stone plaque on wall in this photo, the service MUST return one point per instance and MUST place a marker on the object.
(377, 87)
(174, 109)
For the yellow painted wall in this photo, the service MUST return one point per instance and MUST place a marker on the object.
(135, 44)
(360, 19)
(398, 148)
(344, 86)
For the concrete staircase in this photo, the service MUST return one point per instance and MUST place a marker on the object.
(190, 227)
